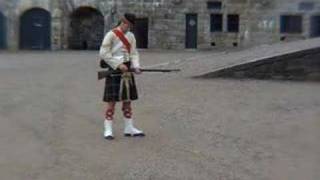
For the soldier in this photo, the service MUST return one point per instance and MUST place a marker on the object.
(118, 52)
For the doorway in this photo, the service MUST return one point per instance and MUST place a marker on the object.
(86, 30)
(141, 31)
(315, 26)
(191, 31)
(3, 32)
(35, 28)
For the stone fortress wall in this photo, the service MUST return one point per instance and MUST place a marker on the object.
(162, 24)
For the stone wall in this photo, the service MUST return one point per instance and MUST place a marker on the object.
(259, 20)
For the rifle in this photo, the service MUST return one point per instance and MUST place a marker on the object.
(104, 74)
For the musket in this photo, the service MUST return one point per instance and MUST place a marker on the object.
(104, 74)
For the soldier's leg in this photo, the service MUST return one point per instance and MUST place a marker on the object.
(127, 109)
(110, 110)
(108, 134)
(129, 129)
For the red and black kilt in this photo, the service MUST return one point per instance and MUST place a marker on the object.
(112, 89)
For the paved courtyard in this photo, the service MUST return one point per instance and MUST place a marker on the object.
(51, 118)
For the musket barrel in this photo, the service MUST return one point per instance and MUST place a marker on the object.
(104, 74)
(160, 70)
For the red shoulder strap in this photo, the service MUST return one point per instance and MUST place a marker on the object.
(122, 38)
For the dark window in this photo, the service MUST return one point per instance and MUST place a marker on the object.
(148, 1)
(306, 6)
(216, 5)
(216, 23)
(291, 24)
(233, 23)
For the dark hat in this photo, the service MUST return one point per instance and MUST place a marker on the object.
(130, 17)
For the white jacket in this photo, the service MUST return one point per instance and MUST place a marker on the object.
(114, 53)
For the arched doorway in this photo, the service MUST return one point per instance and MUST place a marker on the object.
(3, 32)
(35, 29)
(86, 29)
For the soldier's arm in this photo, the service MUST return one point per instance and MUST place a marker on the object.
(134, 55)
(106, 51)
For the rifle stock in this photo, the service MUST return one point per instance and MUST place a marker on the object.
(104, 74)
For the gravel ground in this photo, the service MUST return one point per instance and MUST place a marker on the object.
(51, 123)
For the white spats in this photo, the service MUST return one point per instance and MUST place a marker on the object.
(130, 130)
(108, 129)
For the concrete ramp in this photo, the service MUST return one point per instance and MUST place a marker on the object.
(298, 60)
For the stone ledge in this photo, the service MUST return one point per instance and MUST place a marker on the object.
(297, 62)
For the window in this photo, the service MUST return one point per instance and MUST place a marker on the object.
(233, 23)
(306, 6)
(291, 24)
(216, 23)
(215, 5)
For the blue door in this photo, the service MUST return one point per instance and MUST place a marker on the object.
(315, 26)
(191, 31)
(3, 32)
(35, 30)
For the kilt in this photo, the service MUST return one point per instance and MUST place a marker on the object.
(120, 87)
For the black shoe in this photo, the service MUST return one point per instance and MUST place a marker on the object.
(135, 135)
(109, 137)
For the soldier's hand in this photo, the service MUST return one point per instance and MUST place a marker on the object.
(137, 71)
(123, 68)
(103, 64)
